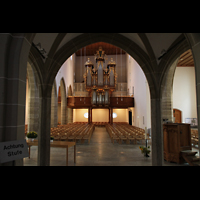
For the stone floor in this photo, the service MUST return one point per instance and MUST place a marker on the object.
(100, 152)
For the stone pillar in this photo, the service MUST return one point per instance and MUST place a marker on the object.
(70, 115)
(167, 94)
(156, 133)
(33, 100)
(14, 51)
(63, 102)
(45, 130)
(63, 112)
(54, 107)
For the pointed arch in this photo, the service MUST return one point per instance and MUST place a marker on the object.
(142, 59)
(168, 64)
(112, 38)
(14, 56)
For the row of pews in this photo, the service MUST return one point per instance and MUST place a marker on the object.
(119, 132)
(124, 132)
(100, 124)
(73, 132)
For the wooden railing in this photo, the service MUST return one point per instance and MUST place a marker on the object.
(85, 102)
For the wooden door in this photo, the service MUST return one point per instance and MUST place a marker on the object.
(178, 115)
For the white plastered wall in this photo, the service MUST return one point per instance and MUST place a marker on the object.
(184, 92)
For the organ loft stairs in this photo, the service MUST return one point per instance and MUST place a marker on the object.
(189, 157)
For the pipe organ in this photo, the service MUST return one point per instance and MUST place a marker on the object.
(100, 80)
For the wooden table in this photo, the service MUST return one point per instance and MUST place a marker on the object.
(60, 144)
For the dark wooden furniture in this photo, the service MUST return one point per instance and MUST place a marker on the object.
(60, 144)
(177, 138)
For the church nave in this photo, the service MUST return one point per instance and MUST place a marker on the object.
(100, 152)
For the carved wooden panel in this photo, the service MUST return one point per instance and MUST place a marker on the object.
(177, 137)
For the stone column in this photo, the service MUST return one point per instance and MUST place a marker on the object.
(63, 112)
(70, 115)
(156, 133)
(44, 136)
(33, 100)
(63, 102)
(167, 94)
(54, 107)
(14, 51)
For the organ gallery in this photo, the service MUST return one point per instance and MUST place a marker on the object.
(100, 81)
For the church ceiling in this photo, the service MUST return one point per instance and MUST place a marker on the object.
(186, 59)
(153, 44)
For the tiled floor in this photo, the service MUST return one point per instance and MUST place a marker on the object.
(100, 152)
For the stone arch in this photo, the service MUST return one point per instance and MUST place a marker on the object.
(167, 93)
(155, 78)
(163, 104)
(142, 59)
(44, 111)
(115, 39)
(15, 49)
(169, 65)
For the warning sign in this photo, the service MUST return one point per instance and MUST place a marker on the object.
(13, 150)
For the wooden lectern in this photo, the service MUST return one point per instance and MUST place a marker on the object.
(177, 138)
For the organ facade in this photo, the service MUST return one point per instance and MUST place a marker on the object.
(100, 81)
